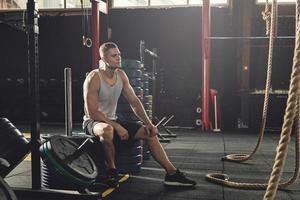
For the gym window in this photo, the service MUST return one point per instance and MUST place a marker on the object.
(45, 4)
(163, 3)
(71, 4)
(278, 1)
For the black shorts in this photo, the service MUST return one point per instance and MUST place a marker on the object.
(131, 126)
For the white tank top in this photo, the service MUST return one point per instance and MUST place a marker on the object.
(108, 96)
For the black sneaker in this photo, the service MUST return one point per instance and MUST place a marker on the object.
(108, 179)
(178, 179)
(112, 178)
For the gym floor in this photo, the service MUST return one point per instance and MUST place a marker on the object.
(197, 154)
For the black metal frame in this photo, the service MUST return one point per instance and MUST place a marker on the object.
(155, 57)
(33, 78)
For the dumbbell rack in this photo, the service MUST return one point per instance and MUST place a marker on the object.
(161, 123)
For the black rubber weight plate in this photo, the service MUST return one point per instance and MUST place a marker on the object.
(61, 148)
(6, 193)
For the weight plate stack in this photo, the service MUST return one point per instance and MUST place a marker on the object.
(135, 82)
(146, 92)
(129, 158)
(148, 98)
(133, 73)
(127, 116)
(95, 150)
(124, 108)
(56, 152)
(6, 193)
(149, 113)
(53, 179)
(131, 64)
(198, 121)
(145, 84)
(13, 146)
(145, 77)
(138, 91)
(131, 169)
(146, 150)
(148, 106)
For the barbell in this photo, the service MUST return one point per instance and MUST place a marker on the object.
(65, 156)
(70, 159)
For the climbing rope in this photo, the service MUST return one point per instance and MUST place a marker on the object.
(266, 15)
(291, 116)
(244, 157)
(223, 179)
(290, 113)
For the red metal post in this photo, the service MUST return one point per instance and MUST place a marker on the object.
(96, 33)
(205, 38)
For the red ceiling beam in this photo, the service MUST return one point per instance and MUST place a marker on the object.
(97, 7)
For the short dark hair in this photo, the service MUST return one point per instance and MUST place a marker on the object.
(105, 47)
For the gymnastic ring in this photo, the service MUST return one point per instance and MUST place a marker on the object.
(88, 42)
(83, 40)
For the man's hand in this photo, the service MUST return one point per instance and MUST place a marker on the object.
(151, 130)
(122, 132)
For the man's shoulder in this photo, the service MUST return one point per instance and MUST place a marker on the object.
(93, 77)
(93, 73)
(121, 73)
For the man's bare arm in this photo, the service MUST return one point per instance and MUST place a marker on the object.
(91, 89)
(133, 100)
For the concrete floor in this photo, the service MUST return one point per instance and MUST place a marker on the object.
(197, 154)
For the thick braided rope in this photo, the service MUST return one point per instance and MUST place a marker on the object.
(245, 157)
(266, 15)
(288, 117)
(223, 179)
(297, 140)
(297, 149)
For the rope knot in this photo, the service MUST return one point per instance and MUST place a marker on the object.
(266, 15)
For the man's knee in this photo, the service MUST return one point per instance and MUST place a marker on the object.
(108, 132)
(105, 131)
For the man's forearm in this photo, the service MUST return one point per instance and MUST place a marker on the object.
(140, 112)
(99, 116)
